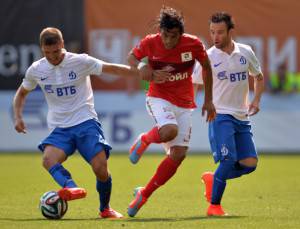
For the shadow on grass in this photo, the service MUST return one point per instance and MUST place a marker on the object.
(174, 219)
(137, 220)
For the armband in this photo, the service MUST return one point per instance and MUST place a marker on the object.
(141, 65)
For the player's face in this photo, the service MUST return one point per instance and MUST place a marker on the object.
(170, 37)
(53, 53)
(220, 35)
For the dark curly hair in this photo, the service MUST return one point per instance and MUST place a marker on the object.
(170, 18)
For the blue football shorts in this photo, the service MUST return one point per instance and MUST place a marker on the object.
(87, 137)
(231, 139)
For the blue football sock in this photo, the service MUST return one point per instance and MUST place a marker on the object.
(62, 176)
(104, 190)
(239, 170)
(220, 177)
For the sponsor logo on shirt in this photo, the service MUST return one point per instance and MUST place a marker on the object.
(222, 75)
(178, 76)
(243, 60)
(44, 78)
(216, 65)
(186, 56)
(72, 75)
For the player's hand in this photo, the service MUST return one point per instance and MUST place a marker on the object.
(145, 72)
(209, 109)
(20, 126)
(160, 76)
(253, 108)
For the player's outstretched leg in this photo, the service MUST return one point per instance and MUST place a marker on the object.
(137, 203)
(137, 149)
(70, 191)
(208, 179)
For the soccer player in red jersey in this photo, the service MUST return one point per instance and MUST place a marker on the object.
(171, 56)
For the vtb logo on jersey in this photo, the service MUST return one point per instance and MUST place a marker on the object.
(72, 75)
(186, 56)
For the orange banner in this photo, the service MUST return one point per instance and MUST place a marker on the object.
(271, 27)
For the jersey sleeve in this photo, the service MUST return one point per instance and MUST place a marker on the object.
(94, 65)
(140, 51)
(200, 51)
(254, 66)
(29, 83)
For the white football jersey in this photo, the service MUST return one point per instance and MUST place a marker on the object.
(230, 79)
(67, 88)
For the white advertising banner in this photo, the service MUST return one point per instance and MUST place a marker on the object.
(276, 128)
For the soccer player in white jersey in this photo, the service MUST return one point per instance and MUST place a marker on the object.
(65, 81)
(230, 133)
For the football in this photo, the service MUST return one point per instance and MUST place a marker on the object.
(52, 206)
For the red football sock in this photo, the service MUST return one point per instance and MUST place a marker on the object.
(164, 172)
(152, 136)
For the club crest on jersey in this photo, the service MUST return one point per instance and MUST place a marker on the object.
(222, 75)
(186, 56)
(243, 60)
(224, 150)
(72, 75)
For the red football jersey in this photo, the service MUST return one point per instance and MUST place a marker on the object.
(178, 89)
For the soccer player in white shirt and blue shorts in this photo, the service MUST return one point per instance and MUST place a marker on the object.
(64, 78)
(230, 133)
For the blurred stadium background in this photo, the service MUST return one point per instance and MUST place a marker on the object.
(109, 29)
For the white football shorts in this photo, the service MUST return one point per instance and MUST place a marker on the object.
(164, 112)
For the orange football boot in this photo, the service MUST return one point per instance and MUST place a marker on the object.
(110, 213)
(137, 149)
(137, 203)
(215, 210)
(71, 193)
(208, 179)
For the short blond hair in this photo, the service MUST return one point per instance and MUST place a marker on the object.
(50, 36)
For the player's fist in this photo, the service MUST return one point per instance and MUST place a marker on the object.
(20, 126)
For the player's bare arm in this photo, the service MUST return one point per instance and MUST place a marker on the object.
(18, 104)
(146, 72)
(119, 69)
(258, 91)
(208, 105)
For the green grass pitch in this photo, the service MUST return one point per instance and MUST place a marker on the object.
(268, 198)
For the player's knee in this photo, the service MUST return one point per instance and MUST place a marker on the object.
(168, 132)
(48, 162)
(249, 162)
(178, 153)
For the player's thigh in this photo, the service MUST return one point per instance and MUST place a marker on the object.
(161, 111)
(60, 138)
(221, 138)
(245, 145)
(90, 140)
(184, 122)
